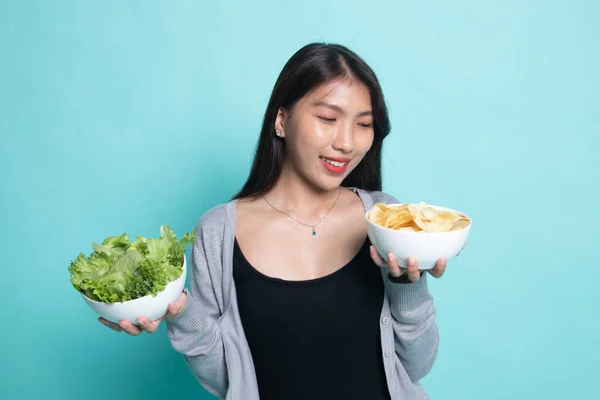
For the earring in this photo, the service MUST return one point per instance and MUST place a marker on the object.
(278, 132)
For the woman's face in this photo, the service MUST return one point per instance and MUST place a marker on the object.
(328, 132)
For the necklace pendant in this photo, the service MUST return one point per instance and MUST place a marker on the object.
(314, 232)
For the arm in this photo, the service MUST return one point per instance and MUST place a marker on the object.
(416, 336)
(413, 320)
(195, 332)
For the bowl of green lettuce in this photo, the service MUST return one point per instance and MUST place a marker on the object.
(124, 280)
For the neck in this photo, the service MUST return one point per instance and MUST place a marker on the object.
(299, 197)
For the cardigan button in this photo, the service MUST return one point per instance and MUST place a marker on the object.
(388, 353)
(385, 320)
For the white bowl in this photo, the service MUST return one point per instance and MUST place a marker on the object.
(151, 307)
(425, 247)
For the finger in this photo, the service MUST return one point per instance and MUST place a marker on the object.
(392, 262)
(439, 269)
(412, 269)
(176, 308)
(129, 327)
(173, 309)
(111, 325)
(147, 325)
(377, 259)
(180, 304)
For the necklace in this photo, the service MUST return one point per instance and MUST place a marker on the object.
(313, 227)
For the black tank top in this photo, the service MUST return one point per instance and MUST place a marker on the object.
(315, 339)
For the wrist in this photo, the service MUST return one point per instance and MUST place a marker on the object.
(402, 279)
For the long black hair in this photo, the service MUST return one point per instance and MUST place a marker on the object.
(310, 67)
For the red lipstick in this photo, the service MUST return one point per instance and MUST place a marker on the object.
(341, 164)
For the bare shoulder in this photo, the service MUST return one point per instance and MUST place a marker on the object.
(250, 213)
(351, 209)
(248, 207)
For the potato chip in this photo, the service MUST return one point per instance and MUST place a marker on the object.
(459, 224)
(417, 218)
(411, 228)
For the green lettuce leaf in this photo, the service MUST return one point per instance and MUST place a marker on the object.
(119, 270)
(113, 246)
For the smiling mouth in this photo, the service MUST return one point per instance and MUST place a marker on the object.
(334, 163)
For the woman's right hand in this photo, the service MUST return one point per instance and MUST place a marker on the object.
(146, 325)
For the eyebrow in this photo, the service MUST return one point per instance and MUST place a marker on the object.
(338, 108)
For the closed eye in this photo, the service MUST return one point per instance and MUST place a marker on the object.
(327, 119)
(366, 125)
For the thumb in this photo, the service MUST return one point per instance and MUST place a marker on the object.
(178, 306)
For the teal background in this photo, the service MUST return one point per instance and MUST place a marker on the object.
(119, 116)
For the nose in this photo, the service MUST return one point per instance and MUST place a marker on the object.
(344, 139)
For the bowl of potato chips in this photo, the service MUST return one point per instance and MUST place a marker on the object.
(425, 232)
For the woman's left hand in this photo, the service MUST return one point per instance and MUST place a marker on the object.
(412, 269)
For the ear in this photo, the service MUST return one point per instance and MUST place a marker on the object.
(280, 121)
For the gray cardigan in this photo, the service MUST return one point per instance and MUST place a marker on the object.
(210, 335)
